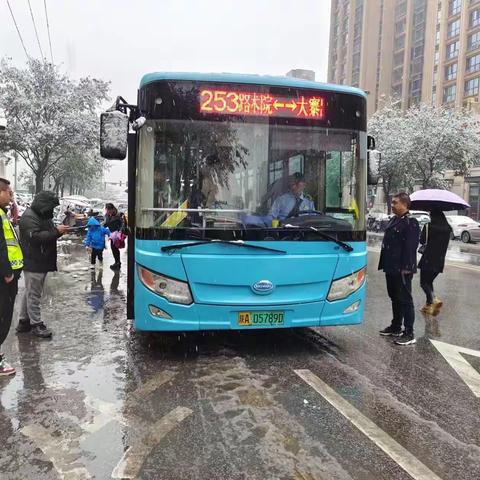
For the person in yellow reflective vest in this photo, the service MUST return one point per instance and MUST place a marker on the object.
(11, 264)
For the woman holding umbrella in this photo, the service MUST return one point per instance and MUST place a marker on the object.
(434, 239)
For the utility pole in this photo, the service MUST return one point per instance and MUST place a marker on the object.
(15, 158)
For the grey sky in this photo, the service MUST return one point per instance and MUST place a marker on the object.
(120, 40)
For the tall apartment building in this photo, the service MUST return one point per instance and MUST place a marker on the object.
(381, 47)
(452, 72)
(409, 50)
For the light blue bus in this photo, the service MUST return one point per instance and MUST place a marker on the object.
(247, 199)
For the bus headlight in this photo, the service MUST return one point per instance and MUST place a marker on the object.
(343, 287)
(175, 291)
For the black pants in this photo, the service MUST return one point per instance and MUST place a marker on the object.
(96, 254)
(426, 282)
(399, 287)
(8, 292)
(116, 253)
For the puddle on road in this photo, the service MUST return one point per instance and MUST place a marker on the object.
(65, 403)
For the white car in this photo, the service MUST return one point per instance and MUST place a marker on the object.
(421, 216)
(462, 226)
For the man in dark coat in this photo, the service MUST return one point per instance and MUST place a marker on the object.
(38, 238)
(398, 259)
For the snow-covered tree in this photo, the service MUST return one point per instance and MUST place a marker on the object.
(440, 140)
(418, 145)
(50, 117)
(389, 129)
(78, 172)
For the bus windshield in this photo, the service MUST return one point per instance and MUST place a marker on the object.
(241, 175)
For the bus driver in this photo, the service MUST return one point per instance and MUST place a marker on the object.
(293, 202)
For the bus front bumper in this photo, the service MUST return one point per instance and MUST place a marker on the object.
(196, 317)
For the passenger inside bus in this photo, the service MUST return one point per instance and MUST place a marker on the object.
(293, 202)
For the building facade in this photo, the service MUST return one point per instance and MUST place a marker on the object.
(381, 46)
(411, 51)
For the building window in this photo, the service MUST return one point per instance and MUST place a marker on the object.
(418, 34)
(451, 72)
(452, 50)
(475, 17)
(399, 42)
(397, 75)
(453, 28)
(473, 64)
(415, 85)
(400, 9)
(397, 91)
(417, 51)
(472, 87)
(400, 27)
(449, 93)
(473, 41)
(398, 59)
(474, 200)
(454, 7)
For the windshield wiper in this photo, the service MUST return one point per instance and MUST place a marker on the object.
(326, 236)
(236, 243)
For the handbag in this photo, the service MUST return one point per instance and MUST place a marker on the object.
(423, 247)
(118, 239)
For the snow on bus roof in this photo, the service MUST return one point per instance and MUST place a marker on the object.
(250, 79)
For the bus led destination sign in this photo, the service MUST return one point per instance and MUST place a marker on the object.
(231, 102)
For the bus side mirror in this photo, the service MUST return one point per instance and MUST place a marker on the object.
(373, 162)
(113, 135)
(370, 142)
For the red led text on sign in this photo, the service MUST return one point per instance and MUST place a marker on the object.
(261, 104)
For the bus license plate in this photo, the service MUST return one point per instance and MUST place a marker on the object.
(252, 319)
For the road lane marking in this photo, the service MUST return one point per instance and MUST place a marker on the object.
(110, 412)
(151, 385)
(452, 354)
(393, 449)
(134, 457)
(57, 450)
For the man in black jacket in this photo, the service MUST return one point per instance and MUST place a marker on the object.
(11, 262)
(398, 259)
(38, 237)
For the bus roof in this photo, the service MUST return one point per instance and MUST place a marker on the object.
(249, 79)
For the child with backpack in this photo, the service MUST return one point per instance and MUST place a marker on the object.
(95, 240)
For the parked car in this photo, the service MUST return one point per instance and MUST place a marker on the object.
(421, 216)
(377, 221)
(465, 228)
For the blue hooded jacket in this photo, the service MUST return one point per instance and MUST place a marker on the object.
(96, 234)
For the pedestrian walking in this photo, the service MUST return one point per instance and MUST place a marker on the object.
(398, 259)
(95, 240)
(434, 239)
(38, 238)
(11, 264)
(114, 222)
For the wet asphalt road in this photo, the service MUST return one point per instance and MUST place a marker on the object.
(100, 401)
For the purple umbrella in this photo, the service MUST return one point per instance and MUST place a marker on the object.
(434, 199)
